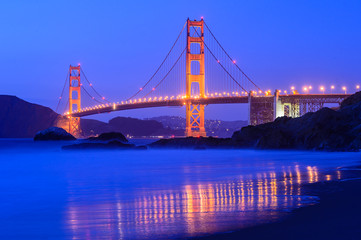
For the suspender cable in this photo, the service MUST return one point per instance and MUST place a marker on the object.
(166, 57)
(220, 62)
(166, 74)
(230, 57)
(101, 97)
(62, 92)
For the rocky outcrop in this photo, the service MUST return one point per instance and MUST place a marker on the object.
(109, 136)
(53, 134)
(193, 143)
(325, 129)
(109, 145)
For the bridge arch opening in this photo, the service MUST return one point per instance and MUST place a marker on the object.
(195, 48)
(195, 31)
(75, 83)
(75, 106)
(74, 95)
(195, 68)
(195, 89)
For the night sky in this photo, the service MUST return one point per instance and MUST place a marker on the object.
(119, 44)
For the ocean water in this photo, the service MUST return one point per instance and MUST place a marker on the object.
(48, 193)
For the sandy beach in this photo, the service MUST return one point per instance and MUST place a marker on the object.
(336, 216)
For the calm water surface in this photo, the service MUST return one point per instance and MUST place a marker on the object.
(47, 193)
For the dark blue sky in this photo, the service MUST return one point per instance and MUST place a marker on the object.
(121, 43)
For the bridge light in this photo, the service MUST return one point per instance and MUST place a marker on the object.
(357, 86)
(332, 87)
(202, 17)
(305, 89)
(310, 87)
(103, 98)
(59, 97)
(285, 91)
(344, 89)
(322, 89)
(234, 61)
(217, 61)
(292, 88)
(90, 84)
(153, 89)
(140, 89)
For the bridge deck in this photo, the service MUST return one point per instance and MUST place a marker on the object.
(324, 98)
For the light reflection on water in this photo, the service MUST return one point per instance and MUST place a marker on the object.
(194, 209)
(47, 193)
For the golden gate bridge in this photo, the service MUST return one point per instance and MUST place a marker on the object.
(194, 73)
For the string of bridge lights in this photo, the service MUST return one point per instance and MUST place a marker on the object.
(305, 89)
(323, 89)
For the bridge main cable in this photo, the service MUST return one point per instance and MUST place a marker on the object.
(230, 57)
(91, 85)
(166, 57)
(167, 73)
(220, 62)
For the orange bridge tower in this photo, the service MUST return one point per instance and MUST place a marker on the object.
(195, 75)
(74, 100)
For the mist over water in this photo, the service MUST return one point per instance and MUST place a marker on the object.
(47, 193)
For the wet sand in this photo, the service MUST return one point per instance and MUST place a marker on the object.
(336, 216)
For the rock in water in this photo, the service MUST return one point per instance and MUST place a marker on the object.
(53, 133)
(110, 136)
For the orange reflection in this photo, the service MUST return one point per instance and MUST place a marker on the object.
(197, 208)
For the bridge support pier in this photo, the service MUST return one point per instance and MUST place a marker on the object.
(278, 107)
(260, 109)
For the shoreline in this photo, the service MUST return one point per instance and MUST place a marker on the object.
(337, 215)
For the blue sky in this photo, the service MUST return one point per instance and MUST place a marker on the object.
(120, 44)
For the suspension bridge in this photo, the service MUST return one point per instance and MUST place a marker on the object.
(194, 73)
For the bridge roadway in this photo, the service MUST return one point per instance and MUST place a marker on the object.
(285, 98)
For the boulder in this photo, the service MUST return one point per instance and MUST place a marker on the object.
(52, 134)
(109, 136)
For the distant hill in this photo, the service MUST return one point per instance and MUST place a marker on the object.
(21, 119)
(218, 128)
(129, 127)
